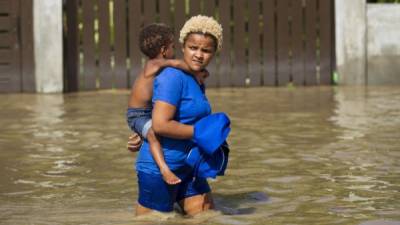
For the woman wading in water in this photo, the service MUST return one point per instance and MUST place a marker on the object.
(179, 102)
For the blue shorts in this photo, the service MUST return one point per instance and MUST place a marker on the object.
(156, 194)
(139, 120)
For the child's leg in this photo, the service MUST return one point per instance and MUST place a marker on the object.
(158, 155)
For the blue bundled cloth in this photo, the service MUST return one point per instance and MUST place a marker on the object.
(209, 157)
(208, 166)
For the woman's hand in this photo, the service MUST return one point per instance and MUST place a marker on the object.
(134, 142)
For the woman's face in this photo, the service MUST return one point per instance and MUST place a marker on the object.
(198, 50)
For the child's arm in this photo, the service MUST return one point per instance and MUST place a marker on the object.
(152, 66)
(180, 64)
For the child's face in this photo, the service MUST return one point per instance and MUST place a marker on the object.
(169, 52)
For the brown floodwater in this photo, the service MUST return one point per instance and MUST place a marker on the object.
(319, 155)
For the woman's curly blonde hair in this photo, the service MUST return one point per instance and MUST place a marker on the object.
(202, 24)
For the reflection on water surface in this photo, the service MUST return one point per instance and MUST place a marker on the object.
(323, 155)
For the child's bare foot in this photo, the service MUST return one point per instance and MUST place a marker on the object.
(170, 177)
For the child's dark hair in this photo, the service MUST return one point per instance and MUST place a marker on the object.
(153, 37)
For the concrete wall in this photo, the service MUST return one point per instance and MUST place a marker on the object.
(47, 27)
(350, 22)
(383, 44)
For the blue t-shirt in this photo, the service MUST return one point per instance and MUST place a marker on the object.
(180, 89)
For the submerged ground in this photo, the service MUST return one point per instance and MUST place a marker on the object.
(321, 155)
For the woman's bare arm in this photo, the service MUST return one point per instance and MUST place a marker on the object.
(165, 125)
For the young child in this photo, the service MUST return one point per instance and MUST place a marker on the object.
(157, 43)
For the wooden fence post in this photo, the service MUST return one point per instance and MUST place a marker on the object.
(72, 47)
